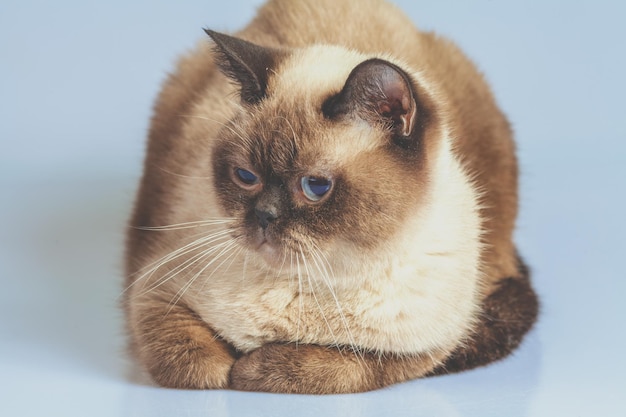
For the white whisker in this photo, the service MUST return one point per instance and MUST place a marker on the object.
(189, 263)
(149, 270)
(186, 225)
(181, 292)
(245, 267)
(301, 298)
(321, 262)
(183, 175)
(280, 270)
(308, 273)
(182, 251)
(232, 256)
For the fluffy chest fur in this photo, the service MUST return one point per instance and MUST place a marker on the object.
(419, 293)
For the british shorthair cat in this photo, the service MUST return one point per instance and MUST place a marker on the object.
(327, 206)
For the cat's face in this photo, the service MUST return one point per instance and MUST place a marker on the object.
(308, 170)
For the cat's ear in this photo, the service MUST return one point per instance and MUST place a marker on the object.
(377, 91)
(246, 63)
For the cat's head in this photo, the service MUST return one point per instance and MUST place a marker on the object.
(330, 150)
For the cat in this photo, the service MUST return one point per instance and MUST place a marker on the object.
(327, 206)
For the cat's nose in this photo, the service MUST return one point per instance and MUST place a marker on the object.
(266, 216)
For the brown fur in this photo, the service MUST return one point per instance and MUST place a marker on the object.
(178, 348)
(508, 313)
(176, 345)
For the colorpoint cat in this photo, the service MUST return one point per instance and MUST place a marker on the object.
(327, 206)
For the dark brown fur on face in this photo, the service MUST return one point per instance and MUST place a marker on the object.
(357, 209)
(181, 348)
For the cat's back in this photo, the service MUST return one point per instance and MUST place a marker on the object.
(368, 26)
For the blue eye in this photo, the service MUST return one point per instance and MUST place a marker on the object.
(315, 188)
(246, 177)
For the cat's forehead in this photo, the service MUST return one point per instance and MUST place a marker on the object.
(301, 139)
(290, 122)
(313, 71)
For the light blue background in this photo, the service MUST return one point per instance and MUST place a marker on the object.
(77, 79)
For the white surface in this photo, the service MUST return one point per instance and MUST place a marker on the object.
(76, 85)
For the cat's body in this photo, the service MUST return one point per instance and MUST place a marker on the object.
(357, 199)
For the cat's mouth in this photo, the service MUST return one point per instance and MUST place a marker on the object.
(270, 250)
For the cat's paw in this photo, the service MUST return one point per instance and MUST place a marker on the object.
(199, 368)
(183, 352)
(303, 369)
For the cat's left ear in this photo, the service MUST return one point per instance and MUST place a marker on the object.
(246, 63)
(379, 92)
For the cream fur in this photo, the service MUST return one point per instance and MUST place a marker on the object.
(423, 298)
(418, 294)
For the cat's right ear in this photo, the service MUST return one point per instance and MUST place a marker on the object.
(246, 63)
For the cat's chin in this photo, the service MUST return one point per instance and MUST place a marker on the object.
(271, 254)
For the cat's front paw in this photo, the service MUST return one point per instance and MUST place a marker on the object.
(303, 369)
(265, 369)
